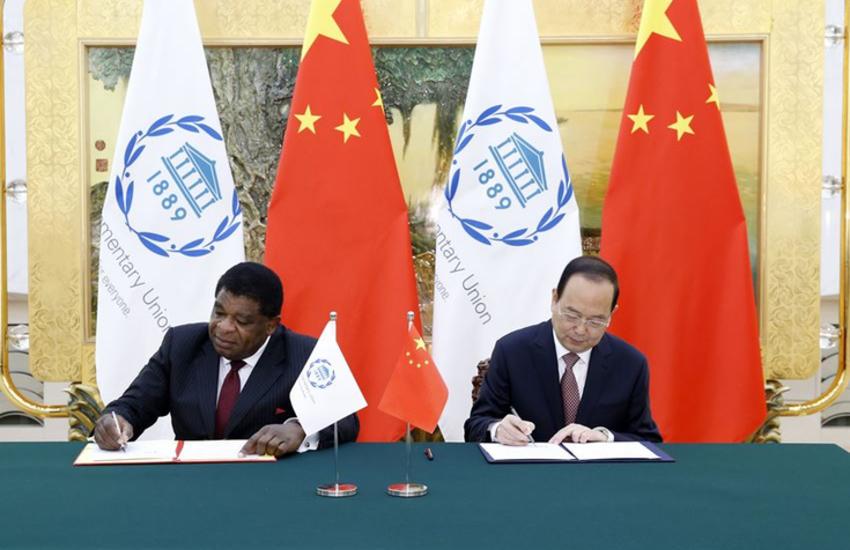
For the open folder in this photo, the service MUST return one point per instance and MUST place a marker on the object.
(169, 452)
(617, 451)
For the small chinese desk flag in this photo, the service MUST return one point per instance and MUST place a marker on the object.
(416, 392)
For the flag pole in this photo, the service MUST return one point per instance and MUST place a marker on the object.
(336, 489)
(407, 489)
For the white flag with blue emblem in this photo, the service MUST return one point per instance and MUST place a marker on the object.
(509, 221)
(326, 390)
(172, 223)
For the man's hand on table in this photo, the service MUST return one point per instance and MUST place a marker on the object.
(578, 433)
(275, 439)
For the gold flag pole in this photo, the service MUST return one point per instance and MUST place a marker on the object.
(7, 385)
(839, 382)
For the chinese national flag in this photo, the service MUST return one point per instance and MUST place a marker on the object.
(416, 392)
(337, 228)
(674, 229)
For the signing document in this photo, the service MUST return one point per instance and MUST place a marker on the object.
(169, 452)
(533, 452)
(617, 450)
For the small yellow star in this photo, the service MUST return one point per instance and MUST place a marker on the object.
(418, 365)
(410, 361)
(640, 120)
(654, 20)
(713, 97)
(307, 120)
(420, 343)
(321, 22)
(407, 353)
(682, 125)
(379, 101)
(348, 127)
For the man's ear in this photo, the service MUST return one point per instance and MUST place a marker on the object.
(274, 322)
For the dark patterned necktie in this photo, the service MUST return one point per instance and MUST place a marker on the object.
(569, 389)
(227, 398)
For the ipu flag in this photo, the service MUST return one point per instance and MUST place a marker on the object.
(326, 390)
(509, 221)
(172, 223)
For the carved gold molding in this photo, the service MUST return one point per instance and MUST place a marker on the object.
(57, 30)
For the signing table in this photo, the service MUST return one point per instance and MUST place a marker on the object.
(713, 497)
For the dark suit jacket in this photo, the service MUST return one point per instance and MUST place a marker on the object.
(182, 379)
(523, 374)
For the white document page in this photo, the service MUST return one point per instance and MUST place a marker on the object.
(616, 450)
(531, 452)
(142, 451)
(225, 450)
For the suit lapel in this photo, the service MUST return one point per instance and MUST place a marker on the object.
(547, 372)
(268, 369)
(594, 385)
(207, 384)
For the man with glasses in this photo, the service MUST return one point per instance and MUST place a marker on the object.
(566, 379)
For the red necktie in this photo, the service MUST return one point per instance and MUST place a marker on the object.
(227, 398)
(569, 389)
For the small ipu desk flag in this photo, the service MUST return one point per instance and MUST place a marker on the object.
(326, 390)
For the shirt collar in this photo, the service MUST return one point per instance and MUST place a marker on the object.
(560, 350)
(253, 359)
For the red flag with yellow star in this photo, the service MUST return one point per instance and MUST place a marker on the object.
(416, 392)
(337, 227)
(674, 229)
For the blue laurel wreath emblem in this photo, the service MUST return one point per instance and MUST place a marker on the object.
(521, 236)
(321, 374)
(157, 242)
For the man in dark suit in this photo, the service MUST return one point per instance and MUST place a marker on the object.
(566, 379)
(226, 379)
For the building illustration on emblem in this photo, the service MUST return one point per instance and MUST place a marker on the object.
(522, 166)
(195, 176)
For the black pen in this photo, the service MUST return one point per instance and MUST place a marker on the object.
(428, 454)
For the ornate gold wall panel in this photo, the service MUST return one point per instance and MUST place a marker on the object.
(57, 31)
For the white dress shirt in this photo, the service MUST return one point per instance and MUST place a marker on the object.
(311, 442)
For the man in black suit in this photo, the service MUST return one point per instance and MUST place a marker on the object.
(226, 379)
(566, 379)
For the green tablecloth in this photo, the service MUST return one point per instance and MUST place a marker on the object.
(714, 497)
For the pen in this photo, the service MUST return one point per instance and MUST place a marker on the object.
(516, 414)
(120, 433)
(428, 454)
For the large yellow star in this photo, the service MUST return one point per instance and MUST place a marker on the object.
(640, 120)
(379, 101)
(654, 20)
(420, 343)
(307, 120)
(682, 125)
(348, 127)
(321, 22)
(713, 97)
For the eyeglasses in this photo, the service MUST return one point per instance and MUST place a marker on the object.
(578, 319)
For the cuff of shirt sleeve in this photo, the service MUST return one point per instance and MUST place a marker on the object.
(492, 429)
(310, 443)
(608, 433)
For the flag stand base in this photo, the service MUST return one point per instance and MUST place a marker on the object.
(337, 490)
(407, 490)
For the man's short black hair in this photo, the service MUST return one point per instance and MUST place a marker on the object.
(255, 281)
(593, 268)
